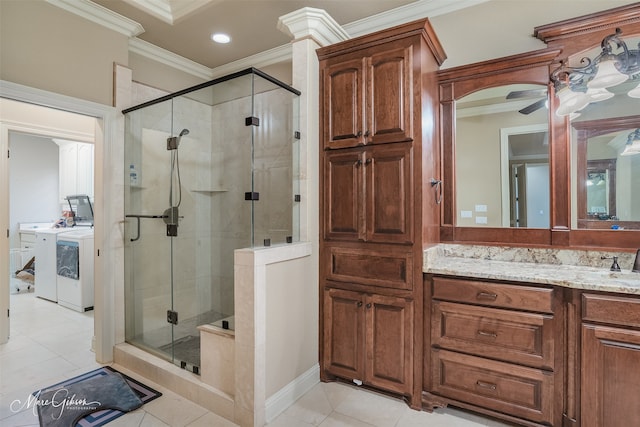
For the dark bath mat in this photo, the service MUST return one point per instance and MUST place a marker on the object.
(92, 399)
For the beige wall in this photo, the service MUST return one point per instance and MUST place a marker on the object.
(478, 163)
(45, 47)
(161, 76)
(504, 27)
(292, 322)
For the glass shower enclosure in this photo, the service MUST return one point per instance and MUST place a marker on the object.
(209, 169)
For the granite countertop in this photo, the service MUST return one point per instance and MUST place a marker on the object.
(560, 267)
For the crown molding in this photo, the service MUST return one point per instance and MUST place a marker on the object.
(169, 11)
(151, 51)
(161, 9)
(403, 14)
(314, 23)
(306, 22)
(100, 15)
(269, 57)
(155, 53)
(499, 107)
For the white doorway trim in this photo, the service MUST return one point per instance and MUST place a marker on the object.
(104, 316)
(504, 163)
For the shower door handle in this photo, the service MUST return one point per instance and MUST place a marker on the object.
(137, 217)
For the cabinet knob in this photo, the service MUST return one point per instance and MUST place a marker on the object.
(487, 334)
(367, 133)
(486, 385)
(487, 296)
(359, 162)
(359, 134)
(368, 305)
(359, 304)
(368, 161)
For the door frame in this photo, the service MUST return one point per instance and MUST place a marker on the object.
(504, 163)
(104, 189)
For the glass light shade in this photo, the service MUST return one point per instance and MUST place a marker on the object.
(607, 76)
(571, 101)
(631, 149)
(635, 92)
(597, 95)
(633, 144)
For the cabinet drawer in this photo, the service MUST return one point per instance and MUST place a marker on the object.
(617, 310)
(386, 269)
(504, 295)
(28, 238)
(525, 338)
(515, 390)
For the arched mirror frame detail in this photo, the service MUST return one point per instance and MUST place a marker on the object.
(563, 39)
(455, 83)
(572, 37)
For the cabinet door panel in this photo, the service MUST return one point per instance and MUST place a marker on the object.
(343, 100)
(344, 333)
(389, 96)
(389, 197)
(343, 195)
(389, 343)
(610, 377)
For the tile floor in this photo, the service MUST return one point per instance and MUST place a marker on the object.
(50, 343)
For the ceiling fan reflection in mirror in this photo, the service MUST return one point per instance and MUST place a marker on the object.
(530, 93)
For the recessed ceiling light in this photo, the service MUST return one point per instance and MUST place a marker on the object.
(220, 38)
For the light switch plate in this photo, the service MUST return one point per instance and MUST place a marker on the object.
(481, 208)
(466, 214)
(481, 220)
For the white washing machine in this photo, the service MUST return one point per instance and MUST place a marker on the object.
(74, 267)
(45, 270)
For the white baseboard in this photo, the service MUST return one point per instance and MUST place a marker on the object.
(287, 395)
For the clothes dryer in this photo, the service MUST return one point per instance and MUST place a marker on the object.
(45, 280)
(74, 267)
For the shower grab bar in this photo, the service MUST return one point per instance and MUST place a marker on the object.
(137, 217)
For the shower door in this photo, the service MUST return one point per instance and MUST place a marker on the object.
(148, 249)
(208, 170)
(187, 212)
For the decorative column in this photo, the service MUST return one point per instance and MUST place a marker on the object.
(310, 29)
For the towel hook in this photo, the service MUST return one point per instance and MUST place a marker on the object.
(437, 183)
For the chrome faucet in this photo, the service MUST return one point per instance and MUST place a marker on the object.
(615, 266)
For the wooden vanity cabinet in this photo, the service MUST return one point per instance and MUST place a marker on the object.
(369, 338)
(368, 99)
(367, 194)
(610, 359)
(495, 348)
(378, 146)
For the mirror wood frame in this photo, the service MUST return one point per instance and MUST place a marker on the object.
(584, 131)
(563, 39)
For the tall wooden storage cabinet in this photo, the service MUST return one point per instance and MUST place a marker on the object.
(378, 152)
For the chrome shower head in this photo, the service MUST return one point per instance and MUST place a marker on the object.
(174, 141)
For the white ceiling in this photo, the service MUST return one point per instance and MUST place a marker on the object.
(184, 27)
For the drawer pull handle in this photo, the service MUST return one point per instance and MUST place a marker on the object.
(487, 334)
(488, 386)
(487, 295)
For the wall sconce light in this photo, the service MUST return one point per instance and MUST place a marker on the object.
(577, 87)
(633, 144)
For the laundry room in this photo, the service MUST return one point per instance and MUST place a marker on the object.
(51, 180)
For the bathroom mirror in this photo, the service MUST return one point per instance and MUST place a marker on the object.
(502, 157)
(606, 180)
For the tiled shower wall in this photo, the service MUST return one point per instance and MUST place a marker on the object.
(215, 172)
